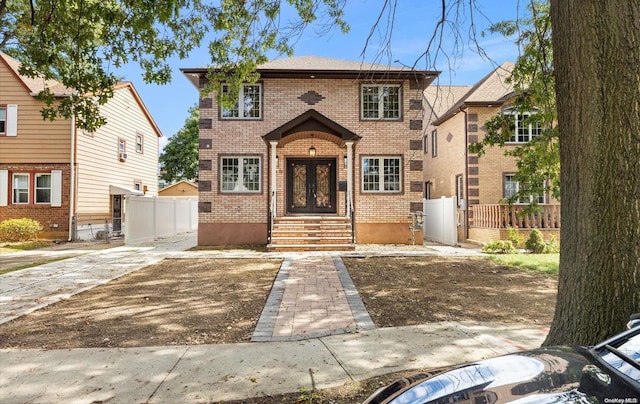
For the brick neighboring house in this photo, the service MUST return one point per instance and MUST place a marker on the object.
(455, 118)
(324, 146)
(69, 180)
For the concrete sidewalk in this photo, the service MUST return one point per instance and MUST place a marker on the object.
(319, 335)
(212, 373)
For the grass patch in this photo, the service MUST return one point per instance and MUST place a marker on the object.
(7, 248)
(539, 263)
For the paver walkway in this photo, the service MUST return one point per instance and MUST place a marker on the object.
(312, 296)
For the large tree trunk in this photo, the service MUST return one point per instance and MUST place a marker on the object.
(596, 48)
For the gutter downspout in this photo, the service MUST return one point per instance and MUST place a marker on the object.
(465, 215)
(72, 182)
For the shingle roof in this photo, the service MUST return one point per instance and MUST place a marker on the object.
(35, 85)
(492, 89)
(321, 67)
(442, 98)
(316, 63)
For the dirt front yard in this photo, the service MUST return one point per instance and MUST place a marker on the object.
(216, 301)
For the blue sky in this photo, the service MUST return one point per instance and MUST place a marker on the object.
(414, 23)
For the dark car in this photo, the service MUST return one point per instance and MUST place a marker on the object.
(606, 373)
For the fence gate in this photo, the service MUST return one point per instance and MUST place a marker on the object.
(440, 220)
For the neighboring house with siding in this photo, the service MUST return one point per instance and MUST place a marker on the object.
(72, 181)
(454, 119)
(319, 153)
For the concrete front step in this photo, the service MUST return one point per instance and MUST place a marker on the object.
(311, 233)
(310, 247)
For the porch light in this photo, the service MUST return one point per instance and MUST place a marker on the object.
(345, 161)
(312, 151)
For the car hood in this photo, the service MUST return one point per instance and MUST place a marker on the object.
(543, 375)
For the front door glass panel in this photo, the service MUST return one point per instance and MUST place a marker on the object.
(311, 186)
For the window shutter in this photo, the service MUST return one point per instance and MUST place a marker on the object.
(56, 188)
(4, 187)
(12, 120)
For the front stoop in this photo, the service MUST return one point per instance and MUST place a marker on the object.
(311, 233)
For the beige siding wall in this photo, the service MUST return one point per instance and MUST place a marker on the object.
(340, 104)
(98, 162)
(38, 141)
(441, 170)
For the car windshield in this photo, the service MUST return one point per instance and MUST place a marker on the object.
(623, 355)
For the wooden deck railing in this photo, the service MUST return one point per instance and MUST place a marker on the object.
(499, 216)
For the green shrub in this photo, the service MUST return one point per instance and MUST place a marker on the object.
(499, 247)
(537, 245)
(516, 238)
(19, 229)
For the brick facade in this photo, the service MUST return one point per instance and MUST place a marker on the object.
(379, 216)
(458, 123)
(54, 220)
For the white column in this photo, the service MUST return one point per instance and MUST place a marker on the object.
(274, 176)
(349, 177)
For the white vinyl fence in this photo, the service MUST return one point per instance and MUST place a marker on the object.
(150, 218)
(440, 220)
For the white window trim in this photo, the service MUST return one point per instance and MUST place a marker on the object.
(531, 197)
(241, 104)
(380, 116)
(35, 188)
(516, 114)
(381, 174)
(141, 143)
(13, 200)
(240, 188)
(11, 120)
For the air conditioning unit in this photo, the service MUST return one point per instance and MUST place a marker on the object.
(122, 156)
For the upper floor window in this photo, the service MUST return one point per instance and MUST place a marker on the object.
(249, 104)
(380, 101)
(381, 174)
(511, 187)
(434, 143)
(139, 143)
(240, 174)
(3, 120)
(122, 149)
(9, 120)
(525, 127)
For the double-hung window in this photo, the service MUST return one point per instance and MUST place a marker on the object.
(525, 126)
(380, 101)
(248, 105)
(381, 174)
(20, 189)
(240, 174)
(512, 187)
(3, 120)
(43, 188)
(139, 143)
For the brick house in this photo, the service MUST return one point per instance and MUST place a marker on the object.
(455, 118)
(72, 181)
(319, 153)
